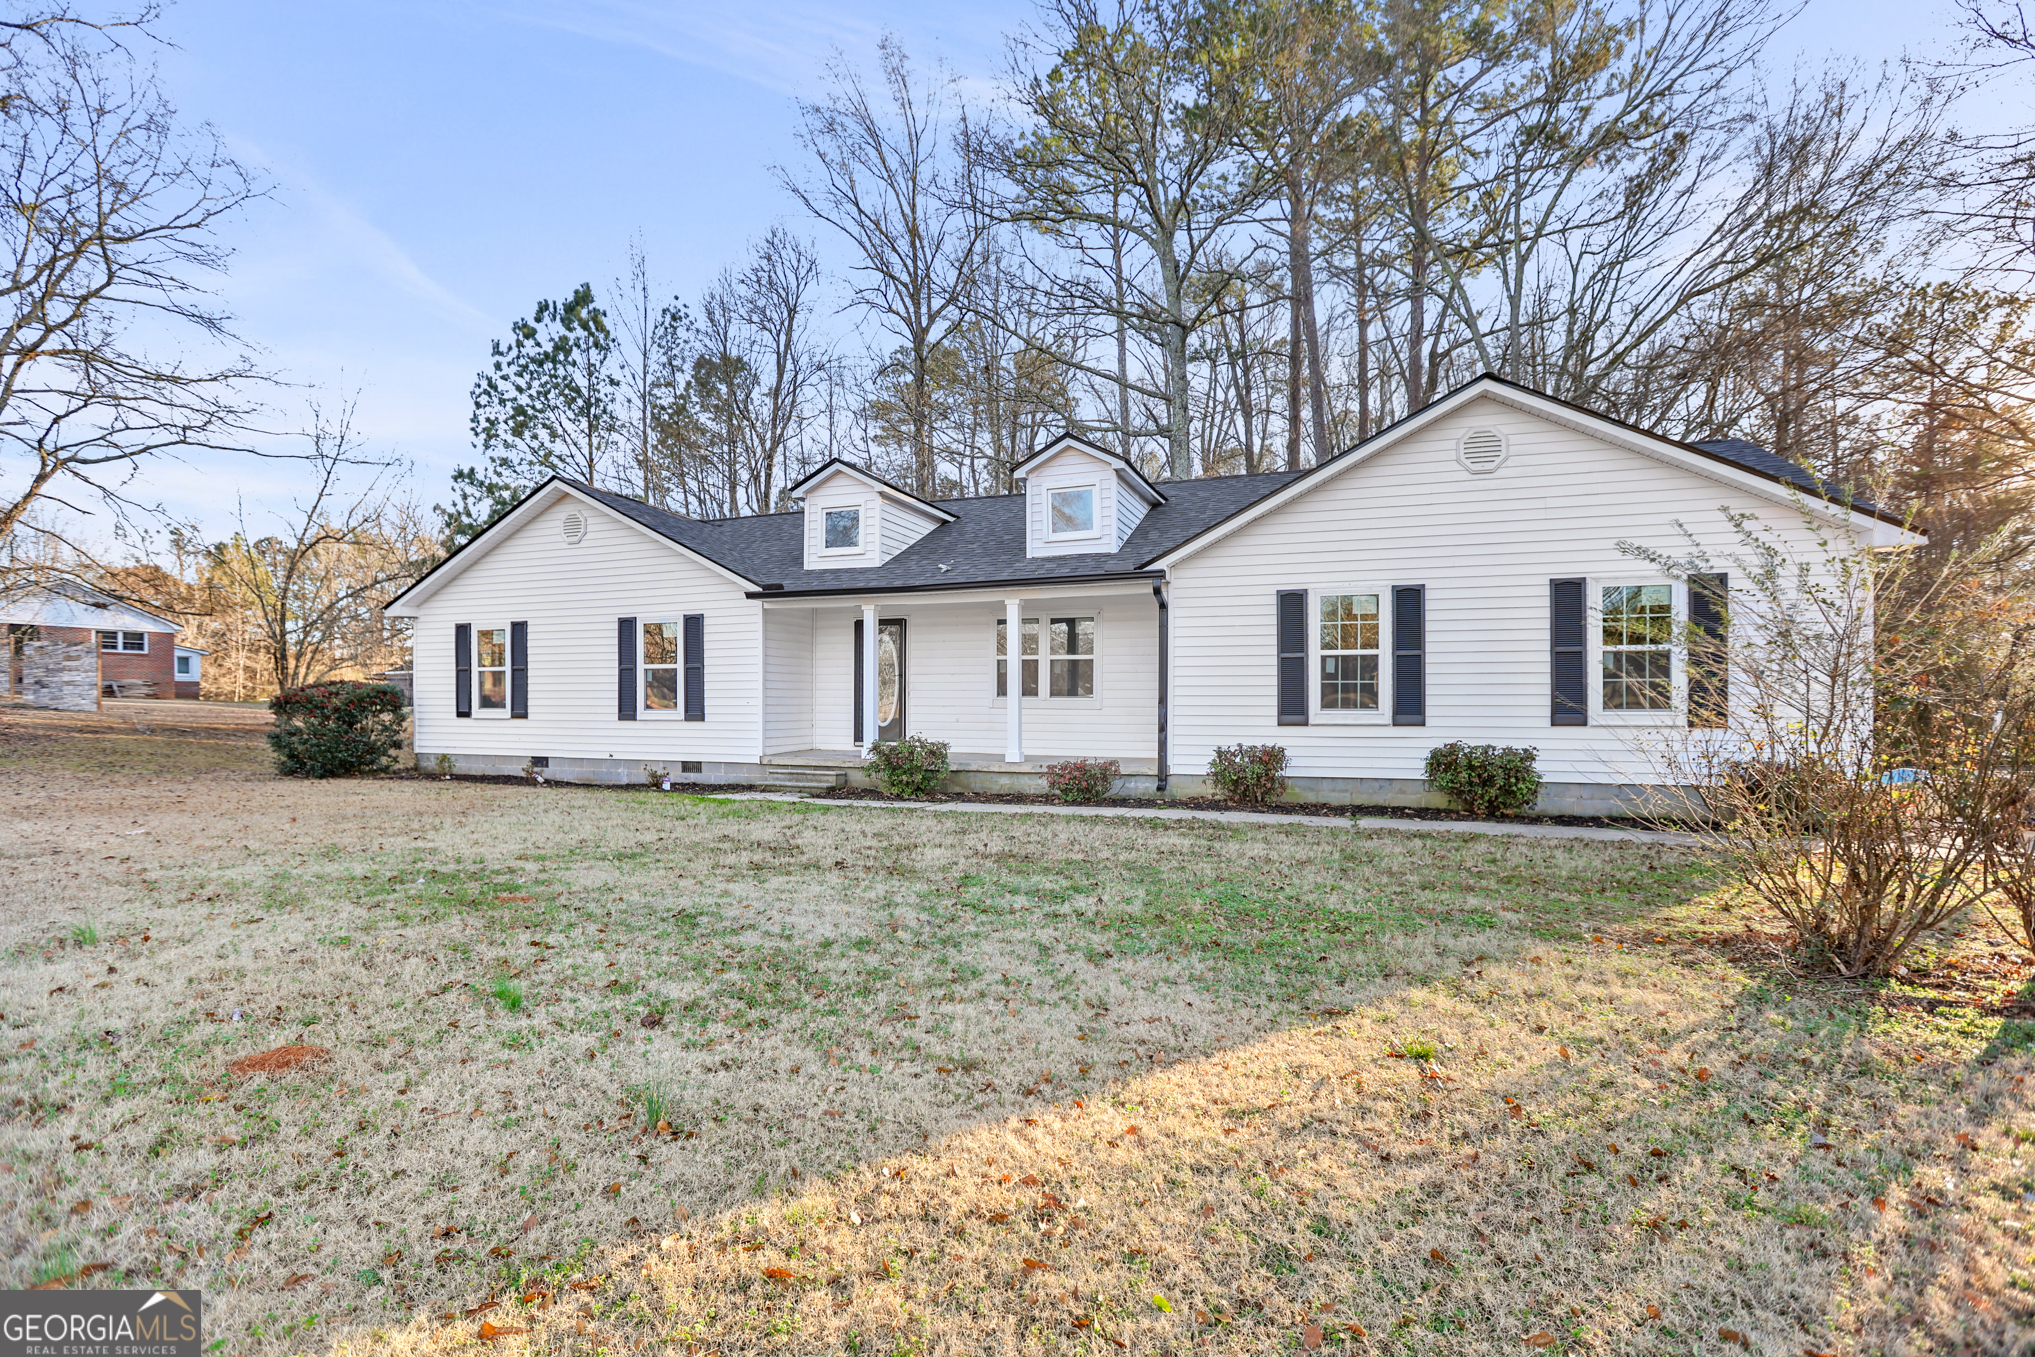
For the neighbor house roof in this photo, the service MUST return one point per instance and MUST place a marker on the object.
(67, 603)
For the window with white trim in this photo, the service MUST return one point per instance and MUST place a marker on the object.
(661, 666)
(491, 668)
(1070, 513)
(1028, 656)
(843, 529)
(1637, 647)
(183, 666)
(1070, 645)
(1349, 642)
(126, 642)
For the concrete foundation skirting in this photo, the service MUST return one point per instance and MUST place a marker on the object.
(1556, 798)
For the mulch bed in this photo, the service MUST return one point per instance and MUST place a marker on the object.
(1416, 813)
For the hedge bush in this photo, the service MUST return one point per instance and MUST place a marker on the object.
(1082, 780)
(1250, 774)
(337, 728)
(1483, 778)
(913, 766)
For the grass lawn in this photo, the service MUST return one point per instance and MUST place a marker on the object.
(620, 1070)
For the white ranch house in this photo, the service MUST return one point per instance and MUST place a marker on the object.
(1456, 577)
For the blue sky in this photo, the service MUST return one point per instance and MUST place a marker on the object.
(439, 165)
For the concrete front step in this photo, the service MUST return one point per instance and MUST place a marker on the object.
(803, 779)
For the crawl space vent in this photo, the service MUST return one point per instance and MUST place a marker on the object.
(575, 526)
(1481, 452)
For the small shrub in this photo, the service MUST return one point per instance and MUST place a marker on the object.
(337, 728)
(913, 766)
(443, 765)
(1422, 1050)
(1249, 774)
(507, 995)
(1082, 780)
(1484, 779)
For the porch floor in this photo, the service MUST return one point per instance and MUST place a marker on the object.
(959, 760)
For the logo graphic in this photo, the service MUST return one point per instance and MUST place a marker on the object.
(101, 1323)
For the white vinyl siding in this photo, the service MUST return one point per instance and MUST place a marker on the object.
(1485, 547)
(889, 523)
(787, 680)
(571, 596)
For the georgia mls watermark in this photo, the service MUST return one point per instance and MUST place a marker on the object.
(99, 1323)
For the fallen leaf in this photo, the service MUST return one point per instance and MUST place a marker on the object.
(1653, 1312)
(1879, 1203)
(1132, 1130)
(1437, 1255)
(779, 1274)
(1030, 1180)
(481, 1309)
(28, 1045)
(1703, 1074)
(490, 1332)
(1658, 1154)
(1163, 1304)
(1035, 1265)
(296, 1280)
(1543, 1339)
(1731, 1335)
(1310, 1337)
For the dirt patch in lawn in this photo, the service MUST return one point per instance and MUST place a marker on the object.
(960, 1084)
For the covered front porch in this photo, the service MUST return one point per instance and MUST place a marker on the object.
(841, 673)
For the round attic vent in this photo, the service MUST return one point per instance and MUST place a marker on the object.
(1481, 451)
(574, 526)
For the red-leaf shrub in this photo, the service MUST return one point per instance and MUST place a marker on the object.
(1082, 780)
(337, 728)
(1250, 774)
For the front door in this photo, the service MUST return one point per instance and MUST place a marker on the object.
(890, 679)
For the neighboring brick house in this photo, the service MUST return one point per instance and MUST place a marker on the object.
(136, 649)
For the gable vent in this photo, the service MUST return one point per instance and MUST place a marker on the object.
(1481, 451)
(574, 526)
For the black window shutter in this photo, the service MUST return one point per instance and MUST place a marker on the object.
(1409, 655)
(695, 667)
(462, 668)
(858, 681)
(519, 671)
(1292, 627)
(1568, 653)
(625, 669)
(1709, 673)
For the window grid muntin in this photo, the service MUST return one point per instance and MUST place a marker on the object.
(1349, 631)
(1636, 635)
(491, 668)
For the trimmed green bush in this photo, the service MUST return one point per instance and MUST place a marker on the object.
(337, 729)
(1082, 780)
(913, 766)
(1249, 774)
(1483, 778)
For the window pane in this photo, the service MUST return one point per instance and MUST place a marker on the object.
(494, 687)
(1073, 511)
(1073, 636)
(493, 647)
(1349, 683)
(1638, 614)
(1349, 622)
(134, 640)
(660, 643)
(660, 689)
(1029, 642)
(844, 527)
(1073, 678)
(1003, 678)
(1030, 677)
(1638, 680)
(109, 640)
(183, 664)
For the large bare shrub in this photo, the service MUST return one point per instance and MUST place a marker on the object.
(1871, 763)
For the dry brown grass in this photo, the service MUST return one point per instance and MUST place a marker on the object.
(859, 1013)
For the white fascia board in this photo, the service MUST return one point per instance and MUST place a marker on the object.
(1043, 589)
(1864, 526)
(410, 600)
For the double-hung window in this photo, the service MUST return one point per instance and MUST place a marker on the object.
(1028, 656)
(491, 668)
(1349, 652)
(1071, 647)
(127, 642)
(1638, 647)
(660, 666)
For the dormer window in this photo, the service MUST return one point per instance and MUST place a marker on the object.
(1072, 511)
(844, 530)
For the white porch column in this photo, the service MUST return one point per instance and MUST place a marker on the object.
(868, 677)
(1014, 679)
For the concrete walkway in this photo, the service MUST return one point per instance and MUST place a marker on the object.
(1247, 817)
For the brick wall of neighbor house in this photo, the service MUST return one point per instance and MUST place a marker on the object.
(157, 667)
(63, 675)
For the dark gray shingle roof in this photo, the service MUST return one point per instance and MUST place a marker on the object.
(1753, 457)
(985, 544)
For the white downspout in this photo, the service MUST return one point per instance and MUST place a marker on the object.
(1014, 679)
